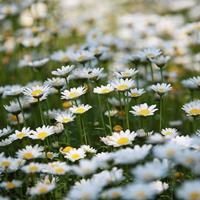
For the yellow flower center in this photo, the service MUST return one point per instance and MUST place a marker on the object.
(10, 185)
(135, 94)
(122, 87)
(33, 168)
(37, 93)
(42, 135)
(105, 90)
(67, 149)
(194, 196)
(75, 156)
(167, 133)
(59, 170)
(117, 128)
(13, 118)
(170, 152)
(28, 155)
(49, 155)
(122, 141)
(65, 59)
(42, 190)
(80, 110)
(161, 90)
(66, 104)
(73, 95)
(190, 160)
(20, 135)
(194, 111)
(66, 120)
(144, 112)
(5, 164)
(115, 195)
(141, 194)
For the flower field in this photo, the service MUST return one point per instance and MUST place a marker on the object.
(100, 100)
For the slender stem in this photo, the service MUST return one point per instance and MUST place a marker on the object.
(66, 134)
(161, 100)
(152, 75)
(102, 118)
(84, 133)
(20, 105)
(161, 74)
(41, 113)
(126, 110)
(80, 128)
(109, 117)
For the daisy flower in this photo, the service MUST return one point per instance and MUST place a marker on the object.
(196, 81)
(139, 191)
(189, 190)
(160, 61)
(37, 92)
(127, 73)
(38, 63)
(13, 107)
(14, 90)
(192, 108)
(143, 110)
(80, 109)
(32, 168)
(63, 71)
(41, 188)
(57, 168)
(161, 88)
(169, 132)
(151, 53)
(64, 117)
(73, 93)
(123, 84)
(104, 89)
(18, 135)
(119, 139)
(9, 185)
(135, 93)
(88, 149)
(147, 171)
(75, 154)
(30, 152)
(56, 83)
(42, 132)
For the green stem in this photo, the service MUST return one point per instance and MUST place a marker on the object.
(80, 129)
(161, 74)
(161, 100)
(84, 133)
(109, 117)
(41, 113)
(126, 110)
(101, 111)
(152, 75)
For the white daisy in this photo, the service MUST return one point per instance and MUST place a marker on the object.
(143, 110)
(80, 109)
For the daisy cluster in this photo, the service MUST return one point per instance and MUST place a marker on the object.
(100, 100)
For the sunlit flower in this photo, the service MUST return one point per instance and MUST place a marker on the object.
(9, 185)
(63, 71)
(64, 117)
(37, 92)
(192, 108)
(30, 152)
(135, 93)
(119, 139)
(169, 132)
(75, 154)
(143, 110)
(161, 88)
(42, 132)
(103, 89)
(80, 109)
(73, 93)
(127, 73)
(123, 84)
